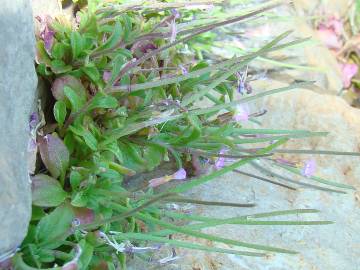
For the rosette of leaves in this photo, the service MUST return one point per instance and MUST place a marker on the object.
(124, 106)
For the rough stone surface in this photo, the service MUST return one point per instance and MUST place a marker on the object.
(17, 90)
(329, 247)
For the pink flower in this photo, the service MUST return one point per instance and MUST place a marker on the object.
(178, 175)
(242, 113)
(309, 168)
(184, 70)
(173, 31)
(348, 71)
(175, 13)
(173, 28)
(220, 162)
(335, 24)
(107, 76)
(330, 32)
(46, 33)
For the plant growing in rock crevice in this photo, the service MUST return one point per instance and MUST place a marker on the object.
(126, 87)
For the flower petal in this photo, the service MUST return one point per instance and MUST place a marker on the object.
(348, 71)
(179, 175)
(329, 38)
(241, 113)
(309, 168)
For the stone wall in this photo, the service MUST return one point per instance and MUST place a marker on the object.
(17, 90)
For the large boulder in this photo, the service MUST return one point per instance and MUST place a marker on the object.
(330, 247)
(17, 91)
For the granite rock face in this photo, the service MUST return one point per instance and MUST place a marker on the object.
(327, 247)
(17, 91)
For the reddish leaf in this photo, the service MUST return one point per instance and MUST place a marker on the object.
(84, 215)
(59, 84)
(54, 154)
(46, 191)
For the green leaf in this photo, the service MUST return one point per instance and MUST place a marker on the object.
(19, 264)
(75, 179)
(101, 100)
(75, 100)
(37, 213)
(59, 67)
(197, 234)
(80, 199)
(86, 255)
(128, 26)
(52, 229)
(153, 155)
(114, 148)
(46, 191)
(60, 112)
(59, 50)
(121, 169)
(42, 56)
(72, 82)
(88, 137)
(88, 23)
(203, 179)
(315, 178)
(92, 72)
(113, 40)
(77, 44)
(46, 255)
(183, 244)
(54, 154)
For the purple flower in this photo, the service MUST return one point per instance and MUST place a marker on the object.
(242, 113)
(107, 76)
(184, 70)
(46, 33)
(34, 120)
(220, 162)
(348, 71)
(155, 182)
(179, 175)
(309, 168)
(173, 31)
(175, 13)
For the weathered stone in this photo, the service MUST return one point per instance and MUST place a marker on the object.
(330, 247)
(17, 90)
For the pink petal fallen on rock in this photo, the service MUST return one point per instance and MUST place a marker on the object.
(348, 71)
(309, 168)
(220, 162)
(179, 175)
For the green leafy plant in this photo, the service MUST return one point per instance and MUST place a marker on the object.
(127, 85)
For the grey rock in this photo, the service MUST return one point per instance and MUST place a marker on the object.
(17, 90)
(325, 247)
